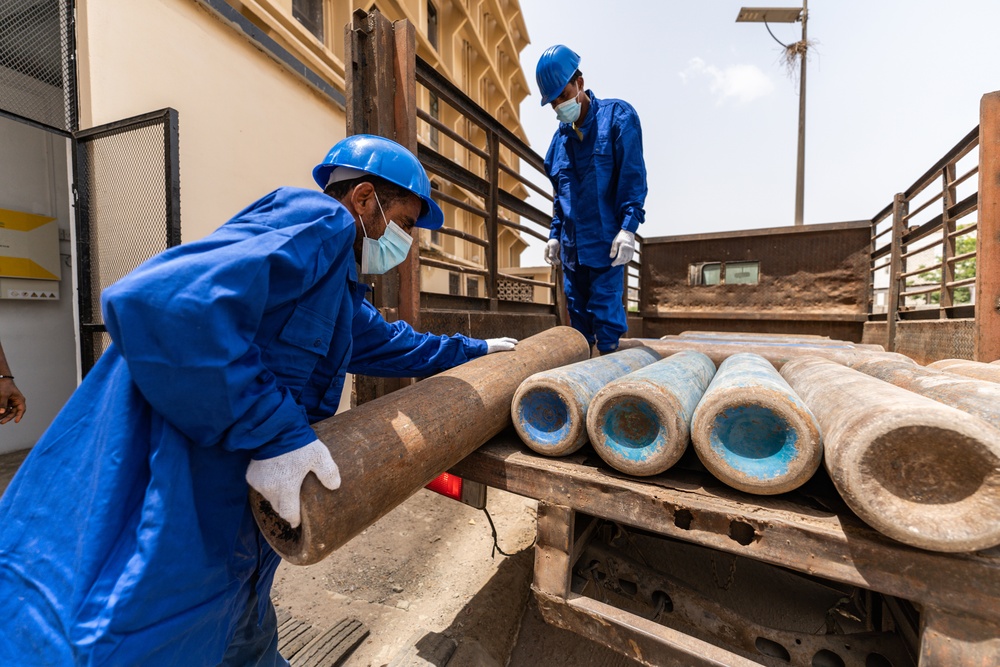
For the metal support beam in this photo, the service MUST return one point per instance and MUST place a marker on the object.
(381, 89)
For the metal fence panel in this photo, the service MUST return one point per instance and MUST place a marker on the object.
(37, 61)
(128, 209)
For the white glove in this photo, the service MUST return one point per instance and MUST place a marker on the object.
(552, 252)
(279, 479)
(622, 248)
(500, 344)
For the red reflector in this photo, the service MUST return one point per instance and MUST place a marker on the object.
(447, 485)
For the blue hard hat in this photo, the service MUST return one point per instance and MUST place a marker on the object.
(554, 70)
(386, 159)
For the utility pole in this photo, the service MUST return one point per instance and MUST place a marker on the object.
(767, 15)
(800, 170)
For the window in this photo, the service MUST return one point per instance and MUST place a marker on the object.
(710, 274)
(471, 287)
(432, 25)
(724, 273)
(453, 283)
(741, 273)
(310, 14)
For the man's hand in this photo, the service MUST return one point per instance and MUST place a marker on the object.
(500, 345)
(552, 252)
(12, 405)
(279, 479)
(622, 248)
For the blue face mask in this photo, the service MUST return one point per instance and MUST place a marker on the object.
(378, 256)
(568, 111)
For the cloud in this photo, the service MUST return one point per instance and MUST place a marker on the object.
(744, 83)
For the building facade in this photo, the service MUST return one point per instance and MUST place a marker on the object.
(257, 93)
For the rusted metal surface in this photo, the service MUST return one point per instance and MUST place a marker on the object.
(977, 397)
(810, 277)
(792, 531)
(381, 100)
(899, 210)
(920, 471)
(972, 369)
(554, 548)
(389, 448)
(607, 573)
(642, 640)
(550, 408)
(753, 432)
(987, 249)
(777, 353)
(926, 341)
(960, 590)
(640, 424)
(947, 639)
(484, 188)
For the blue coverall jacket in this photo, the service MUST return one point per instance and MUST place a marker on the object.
(598, 181)
(126, 538)
(599, 188)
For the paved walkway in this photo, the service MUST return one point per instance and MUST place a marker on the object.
(9, 463)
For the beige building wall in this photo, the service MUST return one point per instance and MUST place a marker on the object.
(476, 44)
(247, 125)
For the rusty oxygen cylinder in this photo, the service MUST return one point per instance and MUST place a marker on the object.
(390, 448)
(977, 397)
(550, 408)
(753, 432)
(972, 369)
(919, 471)
(777, 353)
(640, 423)
(772, 339)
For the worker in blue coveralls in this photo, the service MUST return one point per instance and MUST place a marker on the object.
(599, 189)
(126, 538)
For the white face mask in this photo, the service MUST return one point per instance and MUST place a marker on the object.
(569, 111)
(378, 256)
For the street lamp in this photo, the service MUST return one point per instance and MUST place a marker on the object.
(767, 15)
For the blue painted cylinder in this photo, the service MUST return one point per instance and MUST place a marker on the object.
(753, 432)
(640, 423)
(550, 408)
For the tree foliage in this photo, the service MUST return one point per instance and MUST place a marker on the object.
(965, 268)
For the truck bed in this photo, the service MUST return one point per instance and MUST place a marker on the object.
(809, 531)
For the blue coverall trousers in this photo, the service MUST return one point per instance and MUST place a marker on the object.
(594, 300)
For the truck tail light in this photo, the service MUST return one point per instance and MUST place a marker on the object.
(456, 488)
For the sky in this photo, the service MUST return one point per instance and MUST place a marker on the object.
(891, 86)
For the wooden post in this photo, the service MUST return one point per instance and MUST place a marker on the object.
(895, 268)
(987, 343)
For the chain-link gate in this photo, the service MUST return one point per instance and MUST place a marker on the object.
(38, 61)
(128, 209)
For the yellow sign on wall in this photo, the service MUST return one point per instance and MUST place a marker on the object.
(29, 246)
